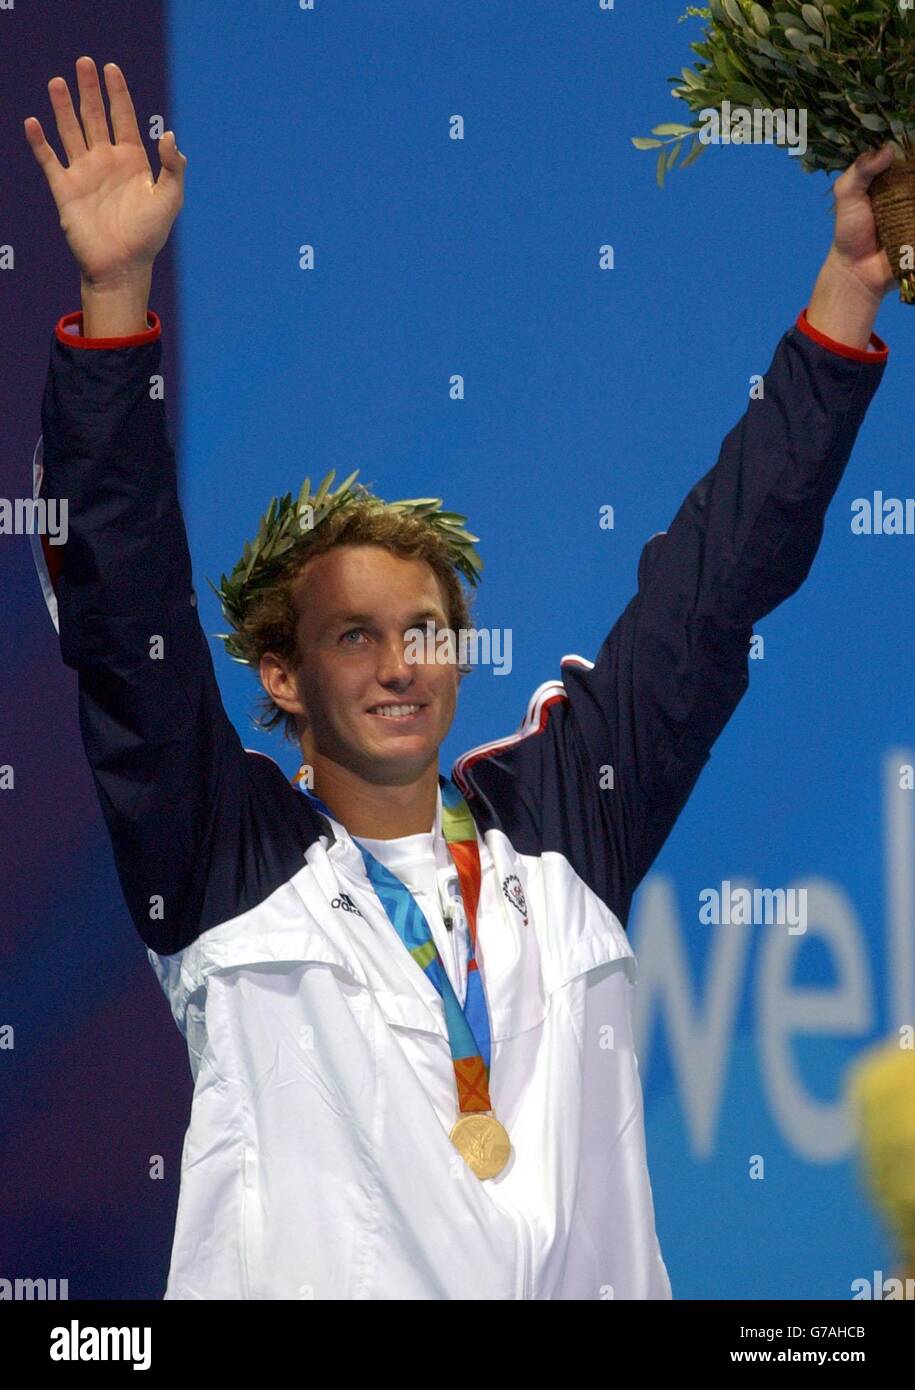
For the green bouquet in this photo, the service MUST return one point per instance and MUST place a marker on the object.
(843, 70)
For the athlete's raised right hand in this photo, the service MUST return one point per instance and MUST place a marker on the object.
(116, 217)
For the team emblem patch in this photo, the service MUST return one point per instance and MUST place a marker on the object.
(511, 887)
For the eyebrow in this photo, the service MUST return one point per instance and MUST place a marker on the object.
(337, 619)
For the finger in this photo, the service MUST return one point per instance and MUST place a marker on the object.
(91, 106)
(41, 149)
(173, 161)
(123, 116)
(859, 176)
(68, 127)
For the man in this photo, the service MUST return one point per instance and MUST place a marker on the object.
(406, 999)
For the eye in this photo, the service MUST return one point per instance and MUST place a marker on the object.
(349, 633)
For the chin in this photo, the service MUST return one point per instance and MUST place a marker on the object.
(405, 761)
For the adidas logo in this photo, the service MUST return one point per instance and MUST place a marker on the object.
(346, 903)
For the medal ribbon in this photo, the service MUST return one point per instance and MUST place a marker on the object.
(468, 1028)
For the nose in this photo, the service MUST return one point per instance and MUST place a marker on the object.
(393, 667)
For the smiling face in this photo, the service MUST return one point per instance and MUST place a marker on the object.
(362, 704)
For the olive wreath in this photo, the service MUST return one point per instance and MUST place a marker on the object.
(288, 529)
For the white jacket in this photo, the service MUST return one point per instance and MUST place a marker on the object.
(318, 1164)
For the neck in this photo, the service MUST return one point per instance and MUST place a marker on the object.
(376, 810)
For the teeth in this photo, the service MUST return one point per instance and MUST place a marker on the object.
(396, 711)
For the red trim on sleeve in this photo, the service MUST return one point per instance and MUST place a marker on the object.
(132, 340)
(855, 354)
(53, 558)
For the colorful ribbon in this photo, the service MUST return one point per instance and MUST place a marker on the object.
(468, 1027)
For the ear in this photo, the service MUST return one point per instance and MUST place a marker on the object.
(278, 680)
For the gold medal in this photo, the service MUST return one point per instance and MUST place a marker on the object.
(482, 1142)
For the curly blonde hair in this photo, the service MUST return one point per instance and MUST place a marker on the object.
(272, 623)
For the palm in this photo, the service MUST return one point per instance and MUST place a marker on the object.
(114, 215)
(110, 210)
(856, 238)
